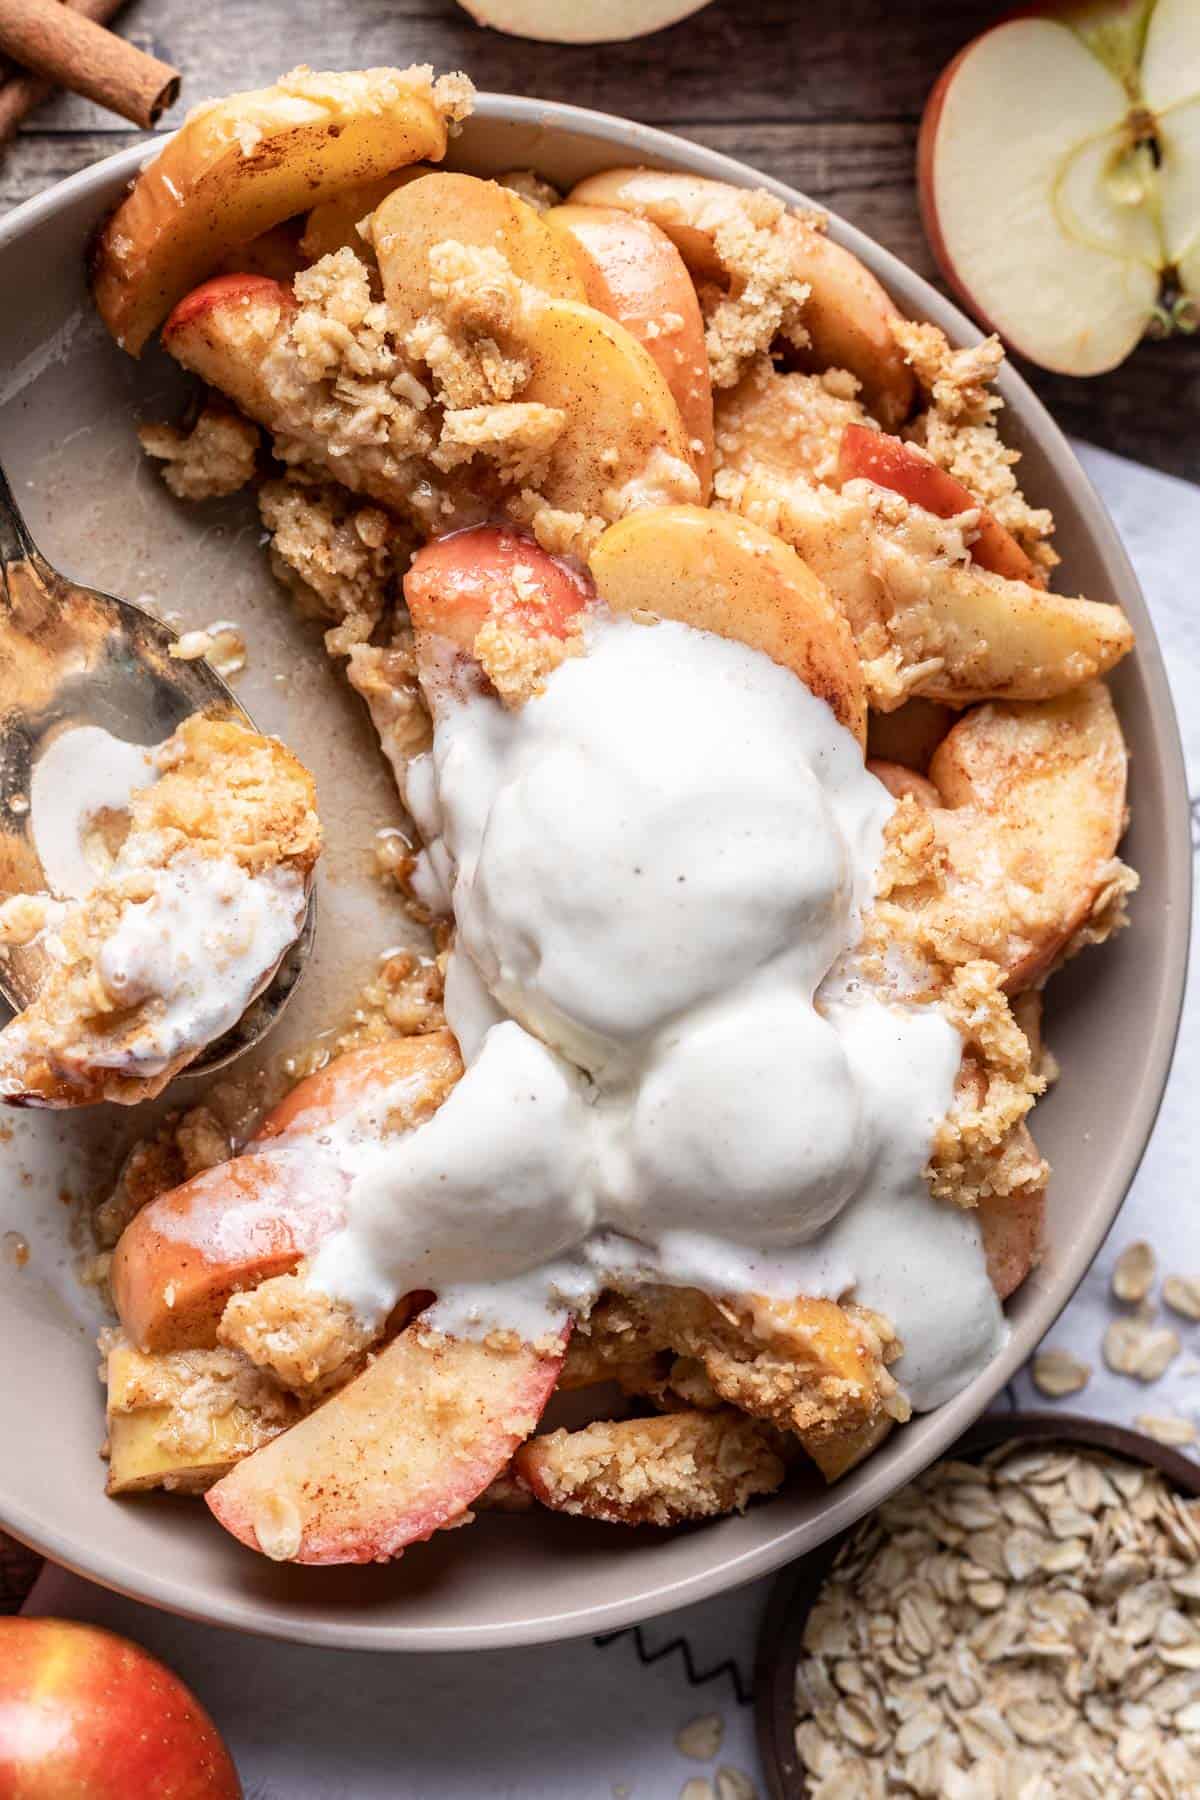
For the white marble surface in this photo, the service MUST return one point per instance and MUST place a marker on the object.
(597, 1721)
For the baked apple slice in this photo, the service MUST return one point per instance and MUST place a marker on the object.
(889, 462)
(665, 1471)
(458, 583)
(333, 225)
(950, 631)
(623, 444)
(180, 1259)
(717, 573)
(399, 1453)
(634, 273)
(1033, 808)
(183, 1421)
(462, 209)
(848, 313)
(243, 164)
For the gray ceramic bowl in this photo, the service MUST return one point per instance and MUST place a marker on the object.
(66, 438)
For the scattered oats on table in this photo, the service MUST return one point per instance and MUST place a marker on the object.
(1133, 1272)
(1027, 1626)
(1058, 1373)
(701, 1738)
(1133, 1347)
(1168, 1428)
(1182, 1295)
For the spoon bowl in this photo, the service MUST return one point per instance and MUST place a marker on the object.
(71, 656)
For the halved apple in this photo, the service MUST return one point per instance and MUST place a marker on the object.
(848, 313)
(634, 273)
(889, 462)
(243, 164)
(233, 1226)
(719, 573)
(465, 210)
(1059, 172)
(397, 1454)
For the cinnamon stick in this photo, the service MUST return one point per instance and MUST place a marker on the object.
(21, 94)
(66, 45)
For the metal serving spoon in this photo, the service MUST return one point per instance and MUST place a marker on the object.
(71, 656)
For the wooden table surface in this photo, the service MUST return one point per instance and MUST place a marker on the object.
(825, 95)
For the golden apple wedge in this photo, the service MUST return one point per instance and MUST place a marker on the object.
(244, 164)
(848, 313)
(635, 274)
(333, 225)
(399, 1453)
(182, 1421)
(1033, 808)
(443, 206)
(623, 444)
(719, 573)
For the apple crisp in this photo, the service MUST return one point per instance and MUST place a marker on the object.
(476, 479)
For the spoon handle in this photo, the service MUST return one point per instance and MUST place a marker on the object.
(16, 545)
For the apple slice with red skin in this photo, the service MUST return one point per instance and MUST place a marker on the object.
(397, 1454)
(456, 584)
(224, 329)
(889, 462)
(634, 273)
(233, 1226)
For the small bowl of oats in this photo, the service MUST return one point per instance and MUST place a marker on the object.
(1024, 1618)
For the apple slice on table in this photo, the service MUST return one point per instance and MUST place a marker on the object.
(464, 210)
(848, 313)
(181, 1258)
(583, 21)
(889, 462)
(399, 1453)
(634, 273)
(719, 573)
(244, 164)
(1059, 173)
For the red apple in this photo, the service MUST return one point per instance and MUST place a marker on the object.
(86, 1715)
(891, 463)
(1059, 166)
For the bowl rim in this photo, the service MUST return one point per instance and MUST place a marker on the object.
(796, 1589)
(154, 1586)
